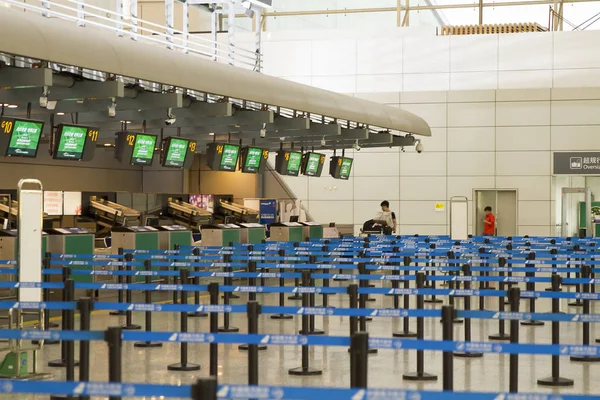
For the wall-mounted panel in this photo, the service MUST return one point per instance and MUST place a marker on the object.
(414, 82)
(523, 138)
(582, 137)
(473, 80)
(376, 164)
(464, 185)
(426, 54)
(287, 58)
(534, 213)
(381, 55)
(581, 112)
(377, 188)
(471, 114)
(421, 212)
(424, 164)
(531, 163)
(422, 188)
(525, 79)
(529, 113)
(529, 187)
(327, 188)
(326, 56)
(474, 53)
(380, 82)
(525, 52)
(340, 212)
(471, 163)
(471, 139)
(572, 49)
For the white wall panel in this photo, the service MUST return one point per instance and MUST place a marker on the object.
(471, 163)
(588, 93)
(434, 114)
(534, 213)
(304, 80)
(523, 138)
(534, 230)
(573, 49)
(381, 55)
(523, 163)
(426, 81)
(382, 83)
(423, 97)
(376, 164)
(423, 229)
(422, 188)
(437, 140)
(570, 78)
(525, 79)
(333, 57)
(464, 185)
(525, 52)
(583, 137)
(421, 212)
(377, 188)
(288, 58)
(523, 113)
(471, 139)
(327, 188)
(529, 187)
(366, 210)
(426, 54)
(340, 212)
(384, 97)
(473, 53)
(471, 96)
(523, 94)
(471, 114)
(583, 112)
(341, 84)
(473, 80)
(424, 164)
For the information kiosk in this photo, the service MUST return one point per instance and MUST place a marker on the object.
(312, 230)
(220, 235)
(287, 232)
(171, 235)
(252, 233)
(72, 241)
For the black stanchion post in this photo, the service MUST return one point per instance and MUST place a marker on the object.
(175, 277)
(184, 365)
(501, 335)
(253, 310)
(514, 296)
(252, 297)
(281, 253)
(452, 284)
(68, 324)
(509, 285)
(420, 374)
(148, 314)
(352, 291)
(312, 302)
(531, 287)
(120, 280)
(205, 388)
(555, 379)
(432, 284)
(47, 264)
(325, 296)
(577, 302)
(296, 296)
(305, 369)
(448, 318)
(586, 271)
(213, 290)
(85, 306)
(196, 282)
(405, 321)
(482, 264)
(129, 325)
(467, 304)
(115, 357)
(226, 296)
(359, 360)
(395, 281)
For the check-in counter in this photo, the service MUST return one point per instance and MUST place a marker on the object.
(287, 232)
(220, 234)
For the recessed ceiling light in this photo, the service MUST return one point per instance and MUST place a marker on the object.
(211, 134)
(125, 122)
(60, 113)
(12, 106)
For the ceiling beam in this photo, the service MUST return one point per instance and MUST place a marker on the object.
(15, 78)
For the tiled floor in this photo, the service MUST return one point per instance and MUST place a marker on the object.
(489, 373)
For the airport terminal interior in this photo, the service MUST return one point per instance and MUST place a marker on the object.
(299, 199)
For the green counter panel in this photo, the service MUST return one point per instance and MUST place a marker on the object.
(316, 232)
(256, 235)
(183, 238)
(80, 244)
(231, 236)
(295, 234)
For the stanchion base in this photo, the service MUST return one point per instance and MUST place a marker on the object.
(559, 381)
(61, 363)
(233, 296)
(532, 323)
(575, 304)
(46, 342)
(404, 334)
(197, 315)
(416, 376)
(585, 359)
(370, 351)
(295, 297)
(147, 344)
(340, 280)
(228, 329)
(53, 325)
(467, 355)
(245, 347)
(183, 367)
(281, 316)
(305, 372)
(499, 336)
(315, 332)
(117, 313)
(433, 301)
(455, 321)
(132, 327)
(370, 299)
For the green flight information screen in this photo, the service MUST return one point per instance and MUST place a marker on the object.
(345, 168)
(294, 162)
(143, 149)
(25, 138)
(176, 153)
(312, 164)
(71, 142)
(229, 157)
(253, 159)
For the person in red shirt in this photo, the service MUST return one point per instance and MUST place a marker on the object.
(489, 222)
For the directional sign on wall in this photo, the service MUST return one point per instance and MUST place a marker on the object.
(576, 163)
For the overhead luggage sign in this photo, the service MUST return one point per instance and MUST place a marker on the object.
(576, 163)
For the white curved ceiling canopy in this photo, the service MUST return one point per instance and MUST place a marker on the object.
(33, 36)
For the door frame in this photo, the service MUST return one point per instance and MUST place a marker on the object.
(496, 192)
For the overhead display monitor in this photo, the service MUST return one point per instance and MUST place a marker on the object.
(252, 159)
(70, 141)
(288, 162)
(176, 151)
(20, 137)
(312, 164)
(222, 156)
(143, 149)
(340, 167)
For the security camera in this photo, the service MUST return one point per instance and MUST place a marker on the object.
(263, 131)
(171, 118)
(356, 146)
(112, 108)
(323, 142)
(419, 147)
(44, 97)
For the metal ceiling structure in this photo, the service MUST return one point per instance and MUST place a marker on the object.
(85, 74)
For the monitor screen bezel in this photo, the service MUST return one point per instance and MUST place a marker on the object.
(7, 154)
(133, 150)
